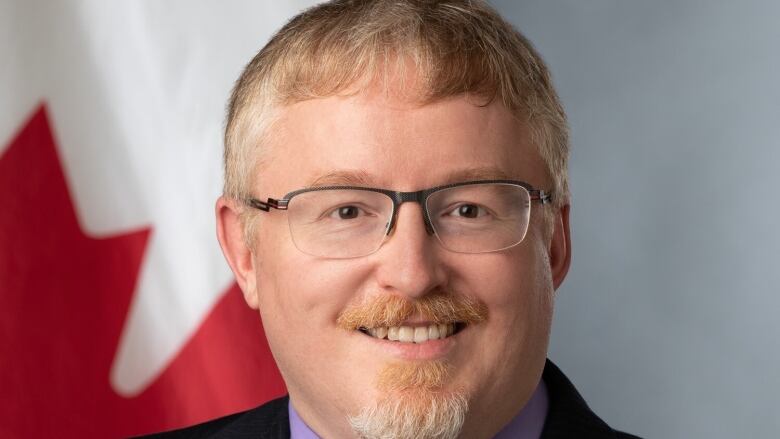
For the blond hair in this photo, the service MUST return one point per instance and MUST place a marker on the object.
(457, 47)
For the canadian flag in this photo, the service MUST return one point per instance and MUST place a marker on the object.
(118, 314)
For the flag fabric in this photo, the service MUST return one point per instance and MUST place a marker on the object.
(118, 314)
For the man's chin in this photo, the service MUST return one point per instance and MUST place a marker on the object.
(414, 402)
(423, 414)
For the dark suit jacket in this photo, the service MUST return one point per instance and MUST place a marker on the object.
(568, 417)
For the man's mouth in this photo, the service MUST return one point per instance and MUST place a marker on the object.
(415, 334)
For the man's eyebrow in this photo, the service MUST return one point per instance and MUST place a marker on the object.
(481, 173)
(342, 178)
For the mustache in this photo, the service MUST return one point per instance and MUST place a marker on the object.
(392, 310)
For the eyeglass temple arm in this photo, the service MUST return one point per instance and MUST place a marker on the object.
(540, 195)
(266, 206)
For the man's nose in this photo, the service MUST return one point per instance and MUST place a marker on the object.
(409, 261)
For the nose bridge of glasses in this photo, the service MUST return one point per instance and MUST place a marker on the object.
(418, 197)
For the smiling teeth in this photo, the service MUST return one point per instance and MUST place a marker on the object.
(380, 332)
(413, 334)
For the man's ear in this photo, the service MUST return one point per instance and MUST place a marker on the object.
(560, 246)
(230, 232)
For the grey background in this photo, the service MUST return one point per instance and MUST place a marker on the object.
(668, 321)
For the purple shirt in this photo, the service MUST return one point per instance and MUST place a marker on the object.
(528, 424)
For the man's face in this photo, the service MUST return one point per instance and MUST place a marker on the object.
(374, 140)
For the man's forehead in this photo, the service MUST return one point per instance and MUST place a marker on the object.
(347, 141)
(370, 119)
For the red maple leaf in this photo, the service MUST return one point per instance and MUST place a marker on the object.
(64, 297)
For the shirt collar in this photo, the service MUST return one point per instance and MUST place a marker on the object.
(528, 423)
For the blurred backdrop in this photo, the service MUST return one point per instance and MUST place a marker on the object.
(115, 302)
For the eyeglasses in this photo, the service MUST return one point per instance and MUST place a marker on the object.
(350, 221)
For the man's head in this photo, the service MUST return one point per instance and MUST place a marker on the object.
(405, 96)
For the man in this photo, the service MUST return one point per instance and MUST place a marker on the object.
(396, 208)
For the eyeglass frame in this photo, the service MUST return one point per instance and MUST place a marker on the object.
(398, 198)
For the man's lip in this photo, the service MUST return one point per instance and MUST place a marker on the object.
(417, 321)
(429, 350)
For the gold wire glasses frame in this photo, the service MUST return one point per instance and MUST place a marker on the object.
(342, 222)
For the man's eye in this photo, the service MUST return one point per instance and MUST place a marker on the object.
(346, 212)
(468, 211)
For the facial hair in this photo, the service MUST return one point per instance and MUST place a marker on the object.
(413, 401)
(413, 404)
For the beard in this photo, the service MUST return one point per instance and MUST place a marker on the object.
(413, 405)
(414, 401)
(427, 416)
